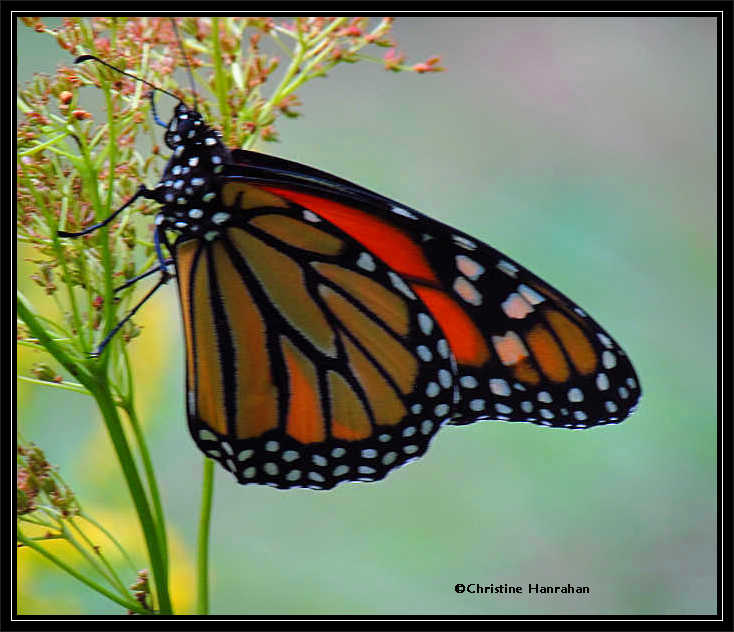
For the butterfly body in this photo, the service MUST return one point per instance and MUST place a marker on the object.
(331, 332)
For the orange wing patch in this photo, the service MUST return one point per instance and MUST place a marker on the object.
(393, 356)
(386, 406)
(305, 421)
(210, 389)
(298, 234)
(386, 305)
(574, 341)
(257, 398)
(548, 354)
(349, 419)
(282, 279)
(184, 260)
(248, 196)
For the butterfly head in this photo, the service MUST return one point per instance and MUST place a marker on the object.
(187, 127)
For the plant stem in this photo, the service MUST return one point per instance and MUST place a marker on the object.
(202, 564)
(152, 485)
(135, 485)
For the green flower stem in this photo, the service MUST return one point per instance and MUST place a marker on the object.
(202, 563)
(220, 85)
(41, 146)
(103, 396)
(129, 604)
(109, 307)
(66, 386)
(155, 496)
(56, 350)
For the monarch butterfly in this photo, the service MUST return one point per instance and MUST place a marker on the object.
(330, 331)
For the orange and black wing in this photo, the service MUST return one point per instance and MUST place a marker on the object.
(331, 332)
(310, 361)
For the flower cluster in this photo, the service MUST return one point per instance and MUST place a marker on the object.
(38, 484)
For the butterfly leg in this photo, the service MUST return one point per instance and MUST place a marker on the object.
(162, 267)
(165, 276)
(142, 192)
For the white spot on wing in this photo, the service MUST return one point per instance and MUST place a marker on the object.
(469, 267)
(425, 323)
(529, 294)
(469, 381)
(464, 242)
(400, 285)
(403, 212)
(444, 377)
(467, 291)
(443, 348)
(424, 353)
(441, 410)
(608, 360)
(575, 395)
(508, 268)
(515, 306)
(499, 387)
(366, 262)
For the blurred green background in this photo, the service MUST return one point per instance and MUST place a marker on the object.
(585, 148)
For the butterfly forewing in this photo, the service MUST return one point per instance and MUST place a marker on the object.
(524, 351)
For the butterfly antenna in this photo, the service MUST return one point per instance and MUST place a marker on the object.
(186, 62)
(83, 58)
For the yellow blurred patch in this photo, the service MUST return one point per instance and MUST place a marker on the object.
(35, 597)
